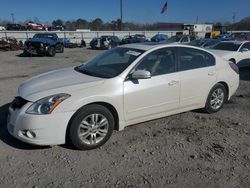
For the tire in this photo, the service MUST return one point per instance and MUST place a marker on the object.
(216, 98)
(26, 54)
(85, 130)
(52, 51)
(61, 49)
(109, 47)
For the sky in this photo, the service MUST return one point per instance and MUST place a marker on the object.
(138, 11)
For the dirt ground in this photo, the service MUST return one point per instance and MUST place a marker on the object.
(192, 149)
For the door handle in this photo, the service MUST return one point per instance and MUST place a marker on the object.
(173, 82)
(211, 73)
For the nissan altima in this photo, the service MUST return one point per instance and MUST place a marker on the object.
(126, 85)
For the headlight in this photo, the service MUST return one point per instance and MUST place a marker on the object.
(41, 44)
(47, 104)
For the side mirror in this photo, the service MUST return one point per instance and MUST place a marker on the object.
(141, 74)
(244, 50)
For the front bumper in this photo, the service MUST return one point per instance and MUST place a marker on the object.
(35, 50)
(45, 129)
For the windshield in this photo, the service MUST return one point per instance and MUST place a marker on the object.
(50, 36)
(228, 46)
(111, 63)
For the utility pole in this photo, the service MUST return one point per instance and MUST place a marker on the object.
(197, 19)
(121, 11)
(12, 17)
(234, 17)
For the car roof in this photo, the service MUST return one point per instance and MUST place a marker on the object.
(235, 41)
(51, 33)
(151, 45)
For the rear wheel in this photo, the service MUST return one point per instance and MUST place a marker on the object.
(52, 51)
(216, 98)
(91, 127)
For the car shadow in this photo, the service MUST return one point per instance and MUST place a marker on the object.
(7, 138)
(28, 55)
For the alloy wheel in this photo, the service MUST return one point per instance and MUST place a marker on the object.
(93, 129)
(217, 99)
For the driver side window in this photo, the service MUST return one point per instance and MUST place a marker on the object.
(159, 62)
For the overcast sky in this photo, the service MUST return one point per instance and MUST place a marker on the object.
(139, 11)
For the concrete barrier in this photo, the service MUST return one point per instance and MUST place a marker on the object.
(77, 36)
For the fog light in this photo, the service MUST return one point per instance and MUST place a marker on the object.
(29, 134)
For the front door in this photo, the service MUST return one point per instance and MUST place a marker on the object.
(158, 94)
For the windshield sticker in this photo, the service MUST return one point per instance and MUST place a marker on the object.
(134, 53)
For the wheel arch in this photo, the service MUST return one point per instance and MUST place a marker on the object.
(226, 87)
(110, 107)
(233, 60)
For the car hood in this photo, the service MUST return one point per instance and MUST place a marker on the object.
(221, 53)
(42, 40)
(59, 81)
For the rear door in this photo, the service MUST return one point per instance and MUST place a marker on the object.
(197, 76)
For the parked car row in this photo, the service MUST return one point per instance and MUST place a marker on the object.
(31, 26)
(108, 42)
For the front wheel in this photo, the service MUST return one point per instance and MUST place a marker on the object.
(61, 49)
(91, 127)
(216, 98)
(52, 51)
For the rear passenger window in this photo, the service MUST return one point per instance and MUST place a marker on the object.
(190, 58)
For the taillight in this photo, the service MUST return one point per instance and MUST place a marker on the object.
(234, 67)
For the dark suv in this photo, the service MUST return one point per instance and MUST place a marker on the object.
(105, 42)
(137, 38)
(14, 27)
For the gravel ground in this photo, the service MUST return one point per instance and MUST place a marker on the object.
(192, 149)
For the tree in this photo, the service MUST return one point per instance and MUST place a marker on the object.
(57, 22)
(96, 24)
(244, 24)
(82, 24)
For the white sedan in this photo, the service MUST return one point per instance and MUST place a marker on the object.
(234, 51)
(123, 86)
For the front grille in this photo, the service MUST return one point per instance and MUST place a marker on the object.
(34, 45)
(18, 103)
